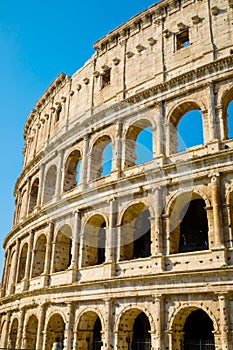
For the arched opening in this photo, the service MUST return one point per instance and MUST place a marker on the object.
(134, 331)
(143, 151)
(106, 160)
(72, 171)
(141, 333)
(198, 332)
(50, 184)
(55, 332)
(135, 233)
(101, 158)
(2, 333)
(33, 196)
(188, 224)
(89, 332)
(184, 119)
(9, 277)
(230, 120)
(39, 256)
(62, 252)
(23, 205)
(31, 332)
(186, 137)
(13, 334)
(94, 241)
(194, 227)
(22, 262)
(138, 144)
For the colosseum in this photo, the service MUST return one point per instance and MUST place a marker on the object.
(122, 235)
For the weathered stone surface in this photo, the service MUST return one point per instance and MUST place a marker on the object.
(97, 255)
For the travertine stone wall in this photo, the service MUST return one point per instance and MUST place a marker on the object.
(142, 250)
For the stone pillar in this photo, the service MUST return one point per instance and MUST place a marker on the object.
(20, 330)
(29, 260)
(158, 138)
(222, 123)
(69, 328)
(41, 185)
(59, 174)
(48, 253)
(81, 243)
(211, 112)
(27, 200)
(15, 267)
(159, 321)
(230, 223)
(217, 215)
(167, 140)
(108, 335)
(84, 167)
(6, 271)
(224, 320)
(75, 340)
(36, 135)
(41, 325)
(110, 233)
(156, 224)
(117, 160)
(166, 219)
(75, 244)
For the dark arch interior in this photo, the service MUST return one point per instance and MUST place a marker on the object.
(141, 335)
(142, 240)
(198, 331)
(97, 343)
(194, 227)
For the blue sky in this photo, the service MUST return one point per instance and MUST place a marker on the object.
(38, 40)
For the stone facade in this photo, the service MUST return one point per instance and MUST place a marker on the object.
(123, 252)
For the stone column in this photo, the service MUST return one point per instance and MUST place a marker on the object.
(69, 328)
(75, 244)
(20, 330)
(230, 223)
(211, 112)
(27, 200)
(158, 138)
(41, 325)
(159, 321)
(156, 224)
(36, 136)
(84, 166)
(81, 243)
(48, 253)
(167, 140)
(15, 267)
(110, 233)
(29, 260)
(41, 185)
(217, 215)
(108, 335)
(222, 123)
(224, 320)
(6, 271)
(166, 219)
(59, 174)
(118, 148)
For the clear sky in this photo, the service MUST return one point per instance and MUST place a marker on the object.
(38, 40)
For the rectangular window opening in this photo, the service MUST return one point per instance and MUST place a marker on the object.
(105, 79)
(182, 39)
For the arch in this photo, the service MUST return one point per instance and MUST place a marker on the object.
(13, 334)
(188, 224)
(9, 277)
(101, 157)
(191, 327)
(190, 111)
(33, 195)
(39, 256)
(3, 331)
(89, 331)
(50, 184)
(22, 262)
(55, 331)
(94, 241)
(186, 138)
(135, 236)
(62, 251)
(134, 330)
(227, 112)
(138, 143)
(31, 332)
(72, 170)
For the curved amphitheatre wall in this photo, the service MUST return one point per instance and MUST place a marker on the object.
(71, 245)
